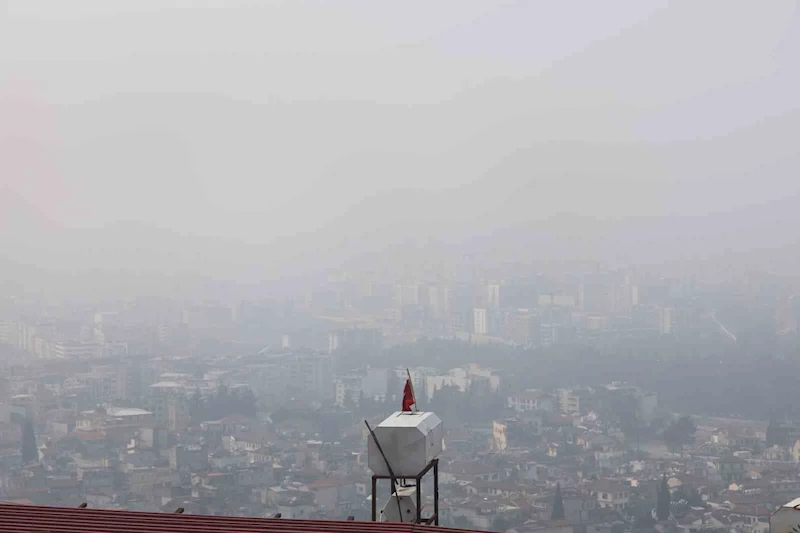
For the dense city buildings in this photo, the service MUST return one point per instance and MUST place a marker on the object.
(552, 421)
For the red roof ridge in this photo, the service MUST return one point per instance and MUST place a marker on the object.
(34, 519)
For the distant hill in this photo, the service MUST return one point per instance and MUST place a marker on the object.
(537, 198)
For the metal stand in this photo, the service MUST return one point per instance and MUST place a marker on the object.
(433, 465)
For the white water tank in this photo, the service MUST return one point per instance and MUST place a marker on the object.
(410, 441)
(786, 519)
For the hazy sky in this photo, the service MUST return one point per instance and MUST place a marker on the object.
(257, 120)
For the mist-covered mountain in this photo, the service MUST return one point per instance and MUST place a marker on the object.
(199, 164)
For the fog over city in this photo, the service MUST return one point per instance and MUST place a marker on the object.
(232, 231)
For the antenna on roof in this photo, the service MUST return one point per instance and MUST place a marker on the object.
(179, 510)
(84, 505)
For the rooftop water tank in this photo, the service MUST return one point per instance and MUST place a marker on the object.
(786, 519)
(410, 441)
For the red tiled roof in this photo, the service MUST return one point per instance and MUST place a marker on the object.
(33, 519)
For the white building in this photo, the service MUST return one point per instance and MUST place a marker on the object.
(371, 384)
(610, 494)
(493, 295)
(438, 300)
(463, 378)
(548, 335)
(75, 350)
(556, 300)
(419, 375)
(347, 388)
(480, 321)
(8, 332)
(406, 294)
(531, 400)
(333, 341)
(667, 320)
(569, 403)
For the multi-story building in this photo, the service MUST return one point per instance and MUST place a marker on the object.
(306, 372)
(610, 494)
(480, 321)
(578, 507)
(556, 300)
(188, 458)
(348, 389)
(463, 378)
(731, 468)
(366, 339)
(568, 401)
(74, 350)
(168, 401)
(493, 295)
(406, 294)
(26, 334)
(531, 400)
(667, 320)
(101, 387)
(548, 335)
(419, 376)
(8, 332)
(518, 326)
(461, 321)
(625, 298)
(438, 301)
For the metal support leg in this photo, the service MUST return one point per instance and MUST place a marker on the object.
(374, 498)
(419, 499)
(436, 490)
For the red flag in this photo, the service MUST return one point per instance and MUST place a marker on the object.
(408, 396)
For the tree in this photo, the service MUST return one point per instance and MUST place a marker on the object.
(461, 522)
(640, 509)
(225, 402)
(757, 449)
(663, 501)
(558, 505)
(500, 524)
(777, 434)
(30, 453)
(680, 433)
(349, 403)
(695, 499)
